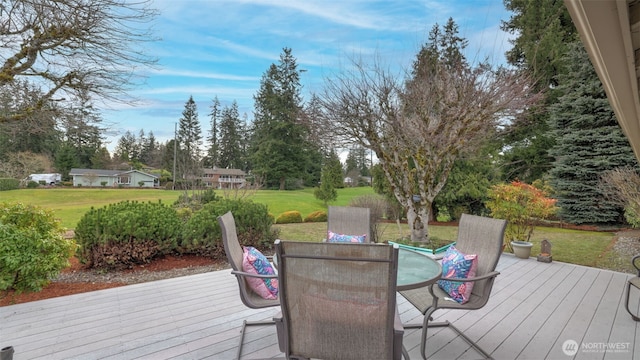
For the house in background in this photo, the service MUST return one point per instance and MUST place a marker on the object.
(223, 178)
(113, 178)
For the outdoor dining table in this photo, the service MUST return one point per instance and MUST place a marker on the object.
(416, 270)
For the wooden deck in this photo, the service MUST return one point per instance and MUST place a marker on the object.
(535, 307)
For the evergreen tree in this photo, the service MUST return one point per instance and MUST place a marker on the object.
(127, 148)
(189, 139)
(326, 192)
(167, 156)
(333, 170)
(65, 160)
(101, 159)
(230, 143)
(82, 133)
(148, 149)
(212, 158)
(542, 30)
(589, 141)
(278, 145)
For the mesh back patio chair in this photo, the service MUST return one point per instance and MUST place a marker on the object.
(476, 235)
(234, 252)
(350, 221)
(635, 282)
(338, 301)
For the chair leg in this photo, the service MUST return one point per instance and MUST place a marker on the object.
(427, 324)
(633, 316)
(465, 337)
(424, 326)
(246, 323)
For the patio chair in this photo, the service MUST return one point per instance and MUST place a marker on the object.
(635, 282)
(234, 252)
(348, 220)
(338, 301)
(476, 235)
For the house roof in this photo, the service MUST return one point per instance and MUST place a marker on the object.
(610, 31)
(101, 172)
(218, 171)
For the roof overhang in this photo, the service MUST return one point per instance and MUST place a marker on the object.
(610, 31)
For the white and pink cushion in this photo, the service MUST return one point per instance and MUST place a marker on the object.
(254, 262)
(342, 238)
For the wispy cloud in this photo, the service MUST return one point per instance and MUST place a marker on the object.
(202, 75)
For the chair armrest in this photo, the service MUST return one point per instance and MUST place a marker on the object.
(242, 273)
(476, 278)
(635, 261)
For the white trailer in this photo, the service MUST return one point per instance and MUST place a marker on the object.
(49, 179)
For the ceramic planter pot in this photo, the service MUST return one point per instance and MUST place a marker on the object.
(522, 249)
(6, 353)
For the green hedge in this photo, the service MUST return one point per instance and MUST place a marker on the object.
(202, 234)
(316, 216)
(127, 233)
(9, 184)
(289, 217)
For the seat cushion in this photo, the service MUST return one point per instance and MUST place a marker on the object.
(254, 262)
(333, 237)
(456, 264)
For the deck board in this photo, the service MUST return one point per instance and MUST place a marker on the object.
(534, 308)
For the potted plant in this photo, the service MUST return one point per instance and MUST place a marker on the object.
(522, 205)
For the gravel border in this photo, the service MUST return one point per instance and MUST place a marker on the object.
(132, 277)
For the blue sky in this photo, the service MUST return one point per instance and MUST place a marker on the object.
(222, 48)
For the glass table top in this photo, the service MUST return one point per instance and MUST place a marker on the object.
(416, 270)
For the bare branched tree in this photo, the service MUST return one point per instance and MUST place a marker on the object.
(622, 187)
(19, 165)
(74, 48)
(418, 127)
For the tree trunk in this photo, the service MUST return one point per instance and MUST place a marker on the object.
(282, 181)
(418, 220)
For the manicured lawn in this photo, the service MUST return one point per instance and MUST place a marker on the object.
(69, 204)
(589, 248)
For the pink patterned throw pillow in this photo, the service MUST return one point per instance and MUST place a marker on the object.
(456, 264)
(254, 262)
(333, 237)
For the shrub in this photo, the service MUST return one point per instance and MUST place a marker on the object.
(103, 183)
(289, 217)
(32, 248)
(316, 216)
(127, 233)
(32, 184)
(9, 184)
(522, 205)
(196, 200)
(202, 234)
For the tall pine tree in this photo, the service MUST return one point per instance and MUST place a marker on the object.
(212, 157)
(189, 139)
(589, 141)
(230, 143)
(542, 30)
(278, 147)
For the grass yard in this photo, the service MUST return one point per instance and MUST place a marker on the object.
(70, 204)
(587, 248)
